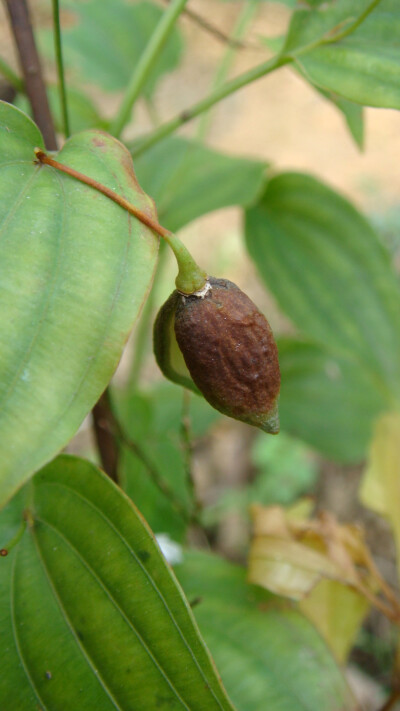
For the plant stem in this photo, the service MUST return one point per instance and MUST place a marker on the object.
(146, 63)
(222, 92)
(190, 277)
(103, 422)
(35, 88)
(42, 157)
(60, 67)
(243, 21)
(11, 76)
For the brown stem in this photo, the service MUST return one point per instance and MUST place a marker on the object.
(21, 25)
(391, 702)
(44, 158)
(103, 422)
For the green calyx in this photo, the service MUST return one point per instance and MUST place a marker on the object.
(190, 277)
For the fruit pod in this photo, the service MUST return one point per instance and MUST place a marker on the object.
(229, 351)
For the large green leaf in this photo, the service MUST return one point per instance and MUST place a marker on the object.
(327, 400)
(75, 269)
(106, 43)
(268, 654)
(330, 274)
(91, 616)
(187, 180)
(364, 66)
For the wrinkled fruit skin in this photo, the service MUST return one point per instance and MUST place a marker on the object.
(230, 353)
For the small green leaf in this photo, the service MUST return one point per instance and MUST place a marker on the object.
(187, 180)
(330, 274)
(75, 271)
(91, 616)
(108, 40)
(268, 654)
(327, 400)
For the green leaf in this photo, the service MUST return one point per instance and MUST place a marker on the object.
(106, 43)
(75, 271)
(91, 615)
(187, 180)
(329, 273)
(327, 400)
(363, 67)
(153, 419)
(268, 654)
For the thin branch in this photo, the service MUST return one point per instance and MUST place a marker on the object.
(190, 277)
(215, 31)
(103, 422)
(33, 77)
(146, 63)
(42, 157)
(222, 92)
(60, 67)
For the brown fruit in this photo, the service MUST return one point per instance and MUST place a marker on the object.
(230, 352)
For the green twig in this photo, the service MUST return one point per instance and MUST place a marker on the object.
(146, 63)
(243, 21)
(60, 67)
(11, 76)
(222, 92)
